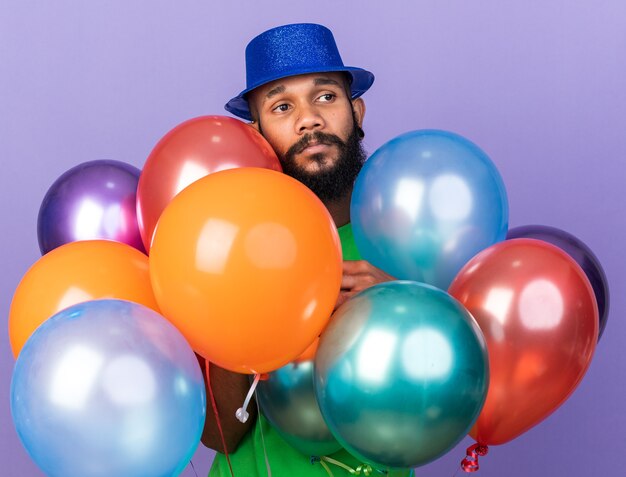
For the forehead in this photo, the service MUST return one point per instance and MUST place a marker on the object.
(293, 83)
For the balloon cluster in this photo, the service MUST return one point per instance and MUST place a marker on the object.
(405, 370)
(211, 249)
(100, 366)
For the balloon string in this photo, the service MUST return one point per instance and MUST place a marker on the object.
(470, 463)
(330, 460)
(325, 465)
(242, 412)
(193, 467)
(260, 424)
(217, 417)
(364, 469)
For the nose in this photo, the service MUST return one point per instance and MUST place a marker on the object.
(309, 120)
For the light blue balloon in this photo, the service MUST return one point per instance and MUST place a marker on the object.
(425, 203)
(108, 388)
(401, 374)
(287, 399)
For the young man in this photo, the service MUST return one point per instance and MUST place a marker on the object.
(307, 104)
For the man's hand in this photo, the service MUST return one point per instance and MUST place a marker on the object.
(357, 276)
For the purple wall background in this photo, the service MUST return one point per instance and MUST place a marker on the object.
(538, 85)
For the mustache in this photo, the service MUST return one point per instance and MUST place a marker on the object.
(317, 138)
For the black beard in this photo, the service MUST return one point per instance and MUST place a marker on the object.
(334, 183)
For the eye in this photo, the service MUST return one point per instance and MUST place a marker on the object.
(327, 97)
(281, 108)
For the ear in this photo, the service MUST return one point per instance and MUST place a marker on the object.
(358, 105)
(254, 125)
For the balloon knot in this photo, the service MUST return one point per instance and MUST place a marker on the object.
(364, 468)
(242, 414)
(470, 463)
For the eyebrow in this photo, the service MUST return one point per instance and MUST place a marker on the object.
(274, 91)
(325, 81)
(317, 82)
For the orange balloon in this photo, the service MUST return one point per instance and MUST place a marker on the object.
(192, 150)
(537, 311)
(73, 273)
(247, 264)
(309, 353)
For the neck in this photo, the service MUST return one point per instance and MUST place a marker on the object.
(340, 209)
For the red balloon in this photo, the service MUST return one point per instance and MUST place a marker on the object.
(190, 151)
(537, 311)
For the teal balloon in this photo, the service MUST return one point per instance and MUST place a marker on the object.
(401, 374)
(108, 388)
(287, 399)
(425, 203)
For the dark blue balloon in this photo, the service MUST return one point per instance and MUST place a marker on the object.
(581, 253)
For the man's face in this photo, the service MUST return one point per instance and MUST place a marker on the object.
(313, 125)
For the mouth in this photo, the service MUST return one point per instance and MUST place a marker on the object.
(315, 148)
(314, 151)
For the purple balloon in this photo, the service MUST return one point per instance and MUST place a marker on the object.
(580, 252)
(93, 201)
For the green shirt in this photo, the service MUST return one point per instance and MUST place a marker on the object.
(284, 460)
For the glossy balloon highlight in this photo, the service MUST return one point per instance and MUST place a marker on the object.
(425, 203)
(108, 387)
(401, 374)
(94, 200)
(539, 317)
(580, 252)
